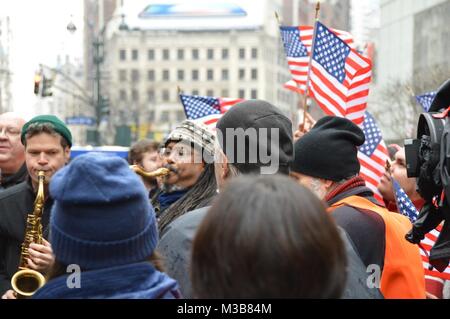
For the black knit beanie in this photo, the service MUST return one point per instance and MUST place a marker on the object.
(330, 150)
(258, 116)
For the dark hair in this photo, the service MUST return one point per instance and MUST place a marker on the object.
(38, 128)
(199, 195)
(137, 150)
(267, 237)
(59, 269)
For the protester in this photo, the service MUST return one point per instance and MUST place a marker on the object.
(103, 222)
(12, 153)
(266, 237)
(397, 170)
(145, 153)
(326, 162)
(47, 142)
(188, 151)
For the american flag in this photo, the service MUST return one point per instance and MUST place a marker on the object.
(339, 76)
(427, 243)
(297, 44)
(206, 109)
(407, 208)
(425, 100)
(372, 155)
(404, 204)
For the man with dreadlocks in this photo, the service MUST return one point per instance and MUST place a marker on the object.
(189, 152)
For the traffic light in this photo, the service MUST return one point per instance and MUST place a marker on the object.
(46, 87)
(104, 108)
(37, 83)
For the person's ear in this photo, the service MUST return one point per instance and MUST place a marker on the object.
(225, 168)
(328, 184)
(67, 155)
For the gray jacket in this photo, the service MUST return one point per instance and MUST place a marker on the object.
(175, 245)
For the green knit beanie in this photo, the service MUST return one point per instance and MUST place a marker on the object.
(57, 124)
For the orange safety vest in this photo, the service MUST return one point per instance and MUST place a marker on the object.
(403, 274)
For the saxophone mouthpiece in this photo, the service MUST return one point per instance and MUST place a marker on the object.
(171, 168)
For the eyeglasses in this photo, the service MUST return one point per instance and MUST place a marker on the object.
(9, 131)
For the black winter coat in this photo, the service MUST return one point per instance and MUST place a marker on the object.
(15, 204)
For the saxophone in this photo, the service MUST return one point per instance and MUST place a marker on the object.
(25, 282)
(157, 173)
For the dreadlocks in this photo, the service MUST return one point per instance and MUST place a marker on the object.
(198, 196)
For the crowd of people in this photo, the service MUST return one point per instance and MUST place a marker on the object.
(219, 224)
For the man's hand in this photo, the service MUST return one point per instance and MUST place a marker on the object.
(303, 129)
(9, 295)
(41, 257)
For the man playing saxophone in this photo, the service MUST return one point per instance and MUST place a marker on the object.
(47, 142)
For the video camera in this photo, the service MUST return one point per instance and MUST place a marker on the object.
(428, 160)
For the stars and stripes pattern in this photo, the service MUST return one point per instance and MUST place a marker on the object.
(425, 100)
(339, 75)
(297, 43)
(372, 155)
(206, 109)
(427, 243)
(406, 207)
(404, 204)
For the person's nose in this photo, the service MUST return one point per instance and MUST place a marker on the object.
(42, 159)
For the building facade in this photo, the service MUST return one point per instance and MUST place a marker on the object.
(5, 63)
(227, 56)
(412, 58)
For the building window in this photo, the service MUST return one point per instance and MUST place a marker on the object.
(194, 92)
(195, 75)
(122, 75)
(180, 116)
(165, 95)
(241, 94)
(210, 74)
(122, 55)
(241, 74)
(242, 53)
(180, 74)
(151, 75)
(135, 75)
(150, 95)
(134, 55)
(254, 94)
(151, 116)
(180, 54)
(123, 95)
(165, 76)
(254, 53)
(224, 93)
(135, 95)
(224, 74)
(224, 54)
(254, 74)
(194, 54)
(151, 54)
(166, 54)
(210, 54)
(210, 93)
(165, 116)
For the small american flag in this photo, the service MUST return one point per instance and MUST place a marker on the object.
(425, 100)
(406, 207)
(206, 109)
(404, 204)
(339, 75)
(297, 44)
(372, 155)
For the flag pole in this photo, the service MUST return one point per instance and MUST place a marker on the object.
(308, 78)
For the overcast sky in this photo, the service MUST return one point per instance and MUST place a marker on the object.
(39, 35)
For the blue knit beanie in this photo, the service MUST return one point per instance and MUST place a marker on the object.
(101, 216)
